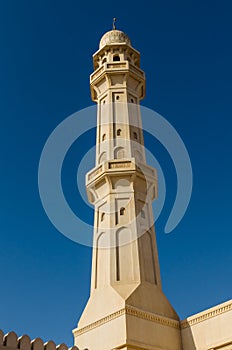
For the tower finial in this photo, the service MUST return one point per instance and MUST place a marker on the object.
(114, 21)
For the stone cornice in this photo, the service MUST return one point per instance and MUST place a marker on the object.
(98, 323)
(131, 311)
(152, 317)
(207, 314)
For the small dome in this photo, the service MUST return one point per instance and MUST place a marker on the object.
(114, 37)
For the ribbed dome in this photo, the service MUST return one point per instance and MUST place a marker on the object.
(114, 37)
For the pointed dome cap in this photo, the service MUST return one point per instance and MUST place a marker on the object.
(114, 37)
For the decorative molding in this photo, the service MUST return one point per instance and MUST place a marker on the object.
(128, 310)
(99, 322)
(152, 317)
(205, 315)
(122, 164)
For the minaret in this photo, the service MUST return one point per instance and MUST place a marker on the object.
(127, 308)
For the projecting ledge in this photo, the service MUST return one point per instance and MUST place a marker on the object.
(117, 164)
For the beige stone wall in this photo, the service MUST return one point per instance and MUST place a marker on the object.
(209, 330)
(11, 341)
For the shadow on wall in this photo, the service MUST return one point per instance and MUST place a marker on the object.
(187, 337)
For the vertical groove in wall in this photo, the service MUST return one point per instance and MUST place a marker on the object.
(153, 258)
(114, 120)
(96, 267)
(117, 260)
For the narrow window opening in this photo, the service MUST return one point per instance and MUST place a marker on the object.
(116, 58)
(117, 97)
(132, 100)
(103, 137)
(104, 60)
(119, 132)
(135, 135)
(102, 216)
(122, 211)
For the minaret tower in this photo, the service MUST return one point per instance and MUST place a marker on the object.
(127, 308)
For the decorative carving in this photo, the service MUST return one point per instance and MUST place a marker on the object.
(115, 165)
(116, 65)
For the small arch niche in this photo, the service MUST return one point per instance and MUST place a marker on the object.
(104, 60)
(135, 135)
(122, 211)
(103, 137)
(119, 132)
(116, 58)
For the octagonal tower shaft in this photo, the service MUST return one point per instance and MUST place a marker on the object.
(125, 269)
(121, 186)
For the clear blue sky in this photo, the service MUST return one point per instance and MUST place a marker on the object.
(45, 62)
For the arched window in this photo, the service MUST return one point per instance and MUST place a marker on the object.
(102, 216)
(122, 211)
(135, 135)
(119, 132)
(103, 137)
(116, 58)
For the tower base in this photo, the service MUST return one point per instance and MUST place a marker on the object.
(130, 328)
(126, 326)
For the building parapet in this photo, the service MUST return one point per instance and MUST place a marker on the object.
(207, 314)
(11, 341)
